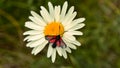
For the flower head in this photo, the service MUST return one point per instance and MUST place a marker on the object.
(54, 28)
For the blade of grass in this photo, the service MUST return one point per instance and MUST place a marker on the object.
(14, 22)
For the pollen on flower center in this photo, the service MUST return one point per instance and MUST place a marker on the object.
(54, 28)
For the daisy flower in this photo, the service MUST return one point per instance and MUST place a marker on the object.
(54, 28)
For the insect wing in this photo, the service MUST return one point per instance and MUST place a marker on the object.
(51, 39)
(62, 44)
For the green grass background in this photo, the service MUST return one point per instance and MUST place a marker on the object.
(100, 42)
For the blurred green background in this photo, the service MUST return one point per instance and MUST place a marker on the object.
(100, 42)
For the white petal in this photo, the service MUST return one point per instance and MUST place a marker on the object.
(57, 13)
(32, 32)
(53, 55)
(36, 43)
(26, 38)
(74, 23)
(51, 10)
(45, 15)
(31, 25)
(77, 43)
(78, 26)
(35, 37)
(64, 9)
(59, 50)
(50, 50)
(70, 44)
(70, 11)
(68, 15)
(69, 19)
(69, 36)
(39, 48)
(81, 20)
(34, 20)
(68, 49)
(37, 19)
(71, 41)
(64, 54)
(74, 33)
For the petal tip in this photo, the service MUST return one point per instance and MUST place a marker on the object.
(66, 2)
(31, 11)
(83, 19)
(49, 3)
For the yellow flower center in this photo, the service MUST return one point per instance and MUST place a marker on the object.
(54, 29)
